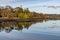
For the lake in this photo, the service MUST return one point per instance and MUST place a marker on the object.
(42, 30)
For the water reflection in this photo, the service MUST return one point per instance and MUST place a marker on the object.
(8, 26)
(45, 29)
(13, 25)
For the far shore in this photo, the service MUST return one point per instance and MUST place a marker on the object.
(26, 19)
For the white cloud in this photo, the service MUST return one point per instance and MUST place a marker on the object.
(50, 3)
(6, 1)
(37, 6)
(12, 3)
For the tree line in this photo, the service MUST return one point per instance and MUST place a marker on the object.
(18, 12)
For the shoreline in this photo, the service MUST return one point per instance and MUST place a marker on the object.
(26, 19)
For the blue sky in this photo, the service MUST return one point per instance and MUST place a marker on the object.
(35, 5)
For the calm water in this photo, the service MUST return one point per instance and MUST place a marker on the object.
(43, 30)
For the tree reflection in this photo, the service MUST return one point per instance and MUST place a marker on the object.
(9, 26)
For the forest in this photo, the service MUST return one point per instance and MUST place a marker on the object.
(20, 13)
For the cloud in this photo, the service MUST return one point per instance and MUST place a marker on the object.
(6, 1)
(12, 3)
(48, 3)
(9, 2)
(39, 6)
(35, 5)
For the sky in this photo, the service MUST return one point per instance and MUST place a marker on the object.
(41, 6)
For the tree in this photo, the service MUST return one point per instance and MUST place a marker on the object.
(19, 9)
(26, 11)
